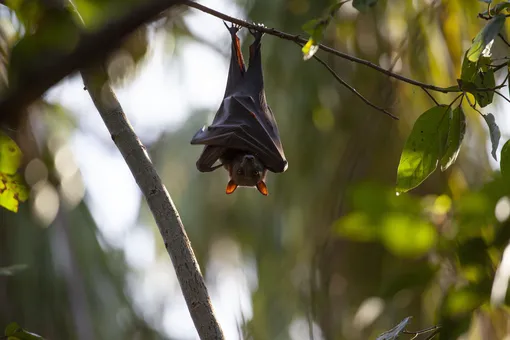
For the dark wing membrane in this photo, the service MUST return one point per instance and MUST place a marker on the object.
(239, 128)
(265, 117)
(209, 156)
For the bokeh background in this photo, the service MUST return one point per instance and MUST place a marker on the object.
(331, 253)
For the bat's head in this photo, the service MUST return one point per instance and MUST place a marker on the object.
(247, 171)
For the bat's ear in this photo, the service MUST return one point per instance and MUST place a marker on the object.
(261, 186)
(231, 187)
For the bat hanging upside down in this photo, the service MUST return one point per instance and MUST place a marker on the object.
(244, 135)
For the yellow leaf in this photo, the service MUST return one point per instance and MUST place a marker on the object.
(12, 191)
(10, 155)
(309, 49)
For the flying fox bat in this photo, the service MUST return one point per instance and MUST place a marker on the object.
(244, 135)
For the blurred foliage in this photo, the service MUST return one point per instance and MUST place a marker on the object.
(58, 276)
(13, 189)
(332, 247)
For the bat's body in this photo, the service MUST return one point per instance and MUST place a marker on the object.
(243, 135)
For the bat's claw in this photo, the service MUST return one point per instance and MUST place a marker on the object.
(256, 33)
(233, 28)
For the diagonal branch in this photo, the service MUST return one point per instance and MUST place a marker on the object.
(502, 96)
(159, 201)
(504, 40)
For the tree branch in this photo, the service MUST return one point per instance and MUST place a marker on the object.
(299, 40)
(159, 201)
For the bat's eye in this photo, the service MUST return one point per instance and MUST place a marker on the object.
(255, 173)
(239, 171)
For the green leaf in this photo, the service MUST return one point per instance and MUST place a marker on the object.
(310, 26)
(14, 330)
(485, 37)
(316, 28)
(467, 86)
(494, 132)
(456, 131)
(469, 70)
(505, 160)
(12, 270)
(396, 331)
(11, 328)
(485, 80)
(363, 5)
(13, 190)
(423, 148)
(476, 75)
(10, 155)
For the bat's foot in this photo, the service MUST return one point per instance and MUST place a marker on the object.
(233, 28)
(256, 33)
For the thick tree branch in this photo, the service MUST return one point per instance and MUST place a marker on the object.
(159, 201)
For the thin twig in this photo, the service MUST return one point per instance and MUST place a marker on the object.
(499, 94)
(504, 40)
(506, 78)
(352, 89)
(433, 334)
(423, 331)
(473, 106)
(431, 96)
(496, 68)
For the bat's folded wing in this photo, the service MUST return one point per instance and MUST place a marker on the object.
(264, 124)
(240, 136)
